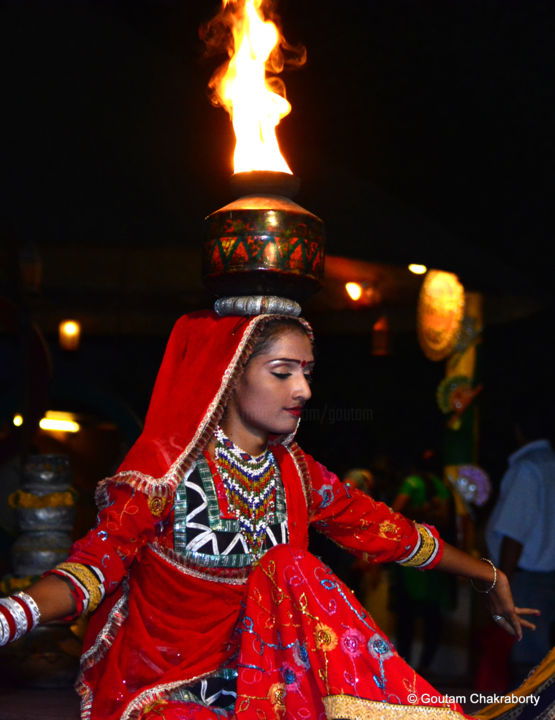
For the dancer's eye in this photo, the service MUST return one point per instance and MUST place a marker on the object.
(281, 376)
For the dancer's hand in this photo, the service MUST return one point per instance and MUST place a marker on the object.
(490, 581)
(503, 610)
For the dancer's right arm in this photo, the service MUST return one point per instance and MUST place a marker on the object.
(97, 564)
(53, 597)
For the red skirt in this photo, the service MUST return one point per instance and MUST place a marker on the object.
(309, 651)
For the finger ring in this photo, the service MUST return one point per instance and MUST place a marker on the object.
(498, 618)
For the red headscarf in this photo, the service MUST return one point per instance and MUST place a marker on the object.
(204, 357)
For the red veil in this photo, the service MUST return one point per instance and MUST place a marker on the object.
(204, 356)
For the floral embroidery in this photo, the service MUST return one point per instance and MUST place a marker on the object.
(288, 674)
(379, 648)
(326, 493)
(300, 655)
(314, 649)
(352, 642)
(325, 637)
(157, 505)
(389, 530)
(277, 694)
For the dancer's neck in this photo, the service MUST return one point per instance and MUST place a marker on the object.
(251, 440)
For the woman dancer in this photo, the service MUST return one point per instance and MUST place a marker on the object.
(203, 600)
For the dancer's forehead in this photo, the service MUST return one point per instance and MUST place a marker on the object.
(291, 347)
(275, 329)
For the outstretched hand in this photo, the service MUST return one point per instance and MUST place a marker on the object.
(503, 610)
(494, 584)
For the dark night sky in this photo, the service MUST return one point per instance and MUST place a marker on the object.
(419, 128)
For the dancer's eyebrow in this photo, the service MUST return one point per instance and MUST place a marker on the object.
(294, 361)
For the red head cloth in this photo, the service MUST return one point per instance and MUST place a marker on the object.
(204, 357)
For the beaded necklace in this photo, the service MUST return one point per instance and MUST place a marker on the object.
(250, 483)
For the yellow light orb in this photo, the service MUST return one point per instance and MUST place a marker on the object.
(57, 421)
(59, 425)
(70, 327)
(69, 332)
(418, 269)
(354, 290)
(18, 420)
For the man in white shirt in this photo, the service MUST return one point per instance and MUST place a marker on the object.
(521, 532)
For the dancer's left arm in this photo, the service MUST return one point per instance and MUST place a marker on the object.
(499, 598)
(371, 530)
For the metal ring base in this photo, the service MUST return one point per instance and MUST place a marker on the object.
(257, 305)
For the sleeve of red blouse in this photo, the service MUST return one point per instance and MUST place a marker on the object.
(367, 528)
(98, 562)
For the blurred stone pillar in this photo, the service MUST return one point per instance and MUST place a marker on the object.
(45, 509)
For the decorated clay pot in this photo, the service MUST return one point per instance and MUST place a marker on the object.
(263, 243)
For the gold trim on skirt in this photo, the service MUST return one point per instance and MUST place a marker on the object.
(346, 707)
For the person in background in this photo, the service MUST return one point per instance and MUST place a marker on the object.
(520, 533)
(425, 498)
(361, 479)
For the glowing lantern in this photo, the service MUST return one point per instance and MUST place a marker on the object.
(59, 422)
(418, 269)
(69, 333)
(440, 314)
(354, 290)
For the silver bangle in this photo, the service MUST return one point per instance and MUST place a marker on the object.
(18, 615)
(33, 607)
(4, 630)
(494, 582)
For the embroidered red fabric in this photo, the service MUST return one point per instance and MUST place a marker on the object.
(306, 642)
(307, 647)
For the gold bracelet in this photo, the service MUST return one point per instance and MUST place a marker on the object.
(89, 581)
(426, 548)
(494, 582)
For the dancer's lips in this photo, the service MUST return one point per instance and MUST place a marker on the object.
(295, 411)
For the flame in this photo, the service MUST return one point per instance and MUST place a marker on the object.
(246, 90)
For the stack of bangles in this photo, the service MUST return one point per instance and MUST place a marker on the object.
(19, 614)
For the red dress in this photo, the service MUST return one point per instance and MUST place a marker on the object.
(289, 634)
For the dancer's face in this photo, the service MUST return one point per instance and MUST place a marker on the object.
(271, 392)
